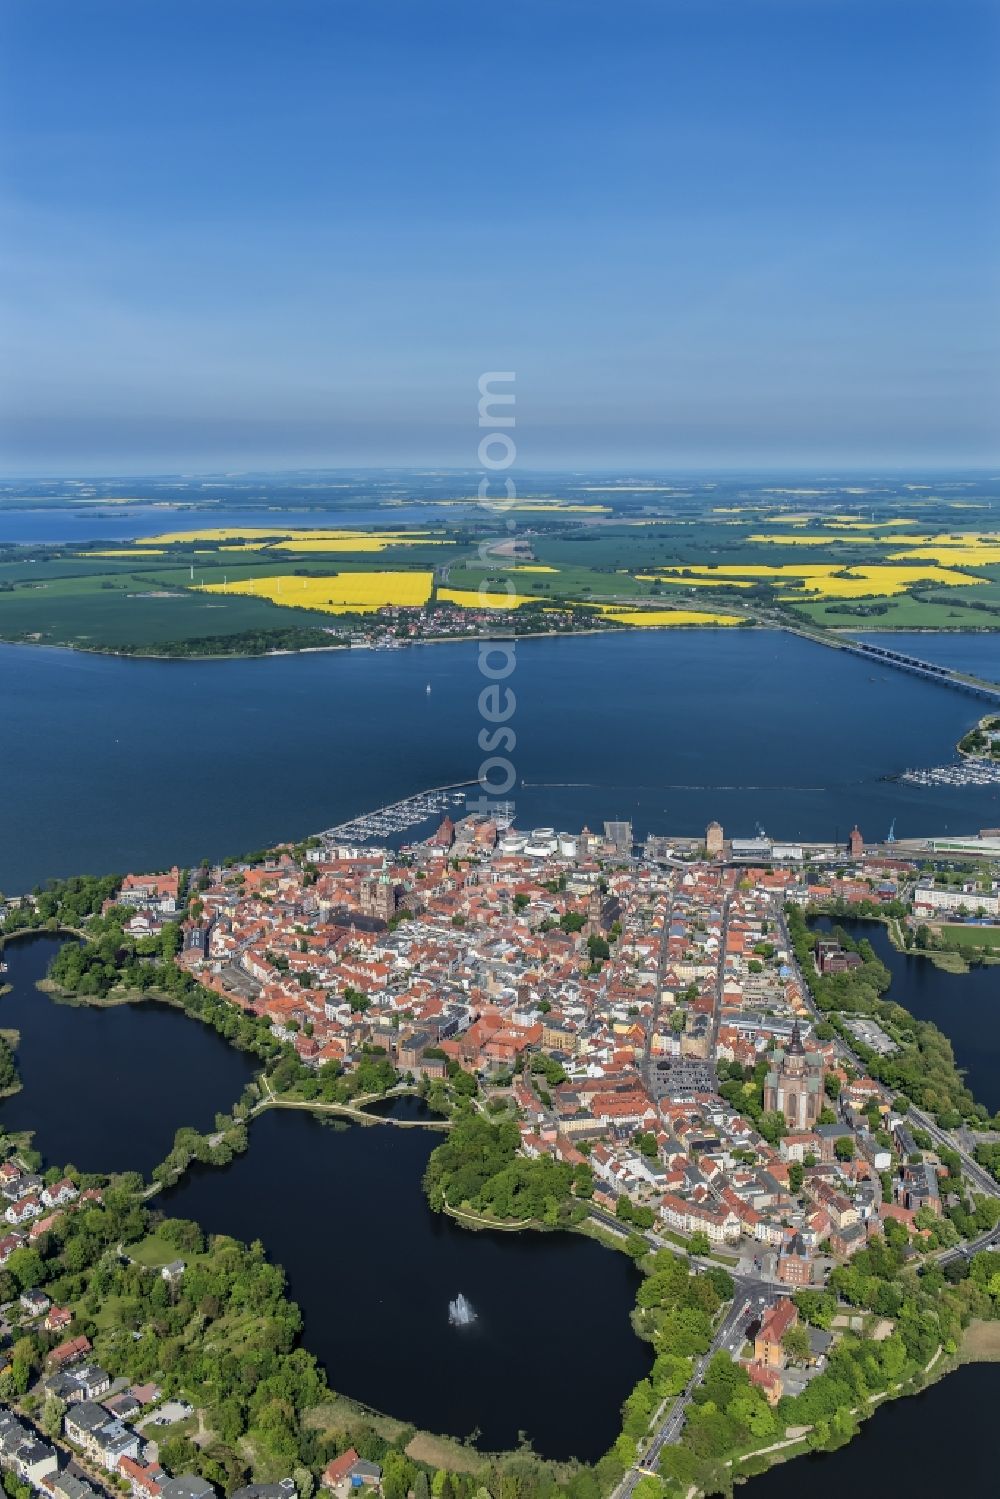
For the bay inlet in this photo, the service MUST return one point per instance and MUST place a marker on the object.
(123, 763)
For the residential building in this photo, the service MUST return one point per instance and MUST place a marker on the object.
(776, 1321)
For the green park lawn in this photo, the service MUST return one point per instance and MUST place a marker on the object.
(153, 1252)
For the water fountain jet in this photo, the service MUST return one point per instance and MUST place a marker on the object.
(460, 1312)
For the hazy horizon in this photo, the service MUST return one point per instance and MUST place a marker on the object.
(626, 477)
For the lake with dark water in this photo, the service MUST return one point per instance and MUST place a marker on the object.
(551, 1351)
(113, 764)
(923, 1446)
(106, 1089)
(966, 1006)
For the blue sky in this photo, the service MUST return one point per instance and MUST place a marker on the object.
(702, 232)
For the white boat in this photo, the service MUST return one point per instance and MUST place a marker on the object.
(428, 687)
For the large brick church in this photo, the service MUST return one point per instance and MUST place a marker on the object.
(794, 1086)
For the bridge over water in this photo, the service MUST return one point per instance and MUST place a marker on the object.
(930, 670)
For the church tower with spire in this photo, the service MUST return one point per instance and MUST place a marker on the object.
(378, 896)
(794, 1086)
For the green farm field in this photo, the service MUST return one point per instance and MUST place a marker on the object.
(128, 610)
(906, 612)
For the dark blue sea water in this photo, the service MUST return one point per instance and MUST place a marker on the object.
(111, 763)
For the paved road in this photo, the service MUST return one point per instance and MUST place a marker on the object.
(974, 1173)
(751, 1297)
(661, 968)
(720, 975)
(989, 1240)
(752, 1284)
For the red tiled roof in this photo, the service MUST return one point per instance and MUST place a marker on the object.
(778, 1319)
(338, 1469)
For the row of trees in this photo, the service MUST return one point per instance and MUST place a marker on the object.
(66, 903)
(9, 1080)
(676, 1310)
(239, 643)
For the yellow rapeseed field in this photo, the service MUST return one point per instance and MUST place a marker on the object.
(298, 539)
(692, 582)
(808, 539)
(848, 522)
(346, 593)
(886, 582)
(353, 541)
(471, 599)
(126, 552)
(822, 579)
(957, 556)
(666, 616)
(533, 567)
(541, 508)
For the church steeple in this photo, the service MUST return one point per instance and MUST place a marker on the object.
(794, 1087)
